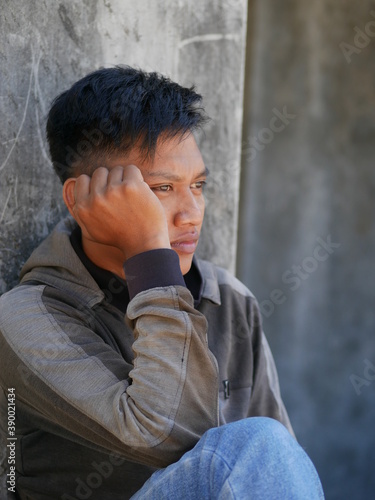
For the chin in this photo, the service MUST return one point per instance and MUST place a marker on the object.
(185, 264)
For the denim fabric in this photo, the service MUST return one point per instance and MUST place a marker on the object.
(255, 458)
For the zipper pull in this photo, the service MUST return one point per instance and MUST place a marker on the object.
(226, 389)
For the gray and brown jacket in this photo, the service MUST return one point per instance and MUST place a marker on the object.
(103, 397)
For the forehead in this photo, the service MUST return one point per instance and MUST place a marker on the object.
(179, 156)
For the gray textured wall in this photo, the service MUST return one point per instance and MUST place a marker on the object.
(305, 180)
(45, 46)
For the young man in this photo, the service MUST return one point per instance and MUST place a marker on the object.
(123, 349)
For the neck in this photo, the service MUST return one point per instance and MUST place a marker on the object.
(104, 256)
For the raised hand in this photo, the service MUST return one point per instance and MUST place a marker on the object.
(117, 208)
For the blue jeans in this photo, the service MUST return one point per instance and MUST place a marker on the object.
(255, 459)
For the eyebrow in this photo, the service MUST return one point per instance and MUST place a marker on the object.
(174, 177)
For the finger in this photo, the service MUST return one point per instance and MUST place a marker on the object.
(99, 180)
(132, 174)
(115, 175)
(81, 188)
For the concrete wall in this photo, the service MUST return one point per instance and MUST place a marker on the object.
(45, 46)
(308, 180)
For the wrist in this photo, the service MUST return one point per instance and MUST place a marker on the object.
(154, 243)
(155, 268)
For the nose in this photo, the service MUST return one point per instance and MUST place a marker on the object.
(190, 210)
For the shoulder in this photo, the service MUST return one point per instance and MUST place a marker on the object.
(21, 295)
(20, 310)
(216, 278)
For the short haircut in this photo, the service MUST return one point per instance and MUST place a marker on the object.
(111, 111)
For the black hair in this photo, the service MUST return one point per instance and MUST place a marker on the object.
(113, 110)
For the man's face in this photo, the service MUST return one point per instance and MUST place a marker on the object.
(177, 176)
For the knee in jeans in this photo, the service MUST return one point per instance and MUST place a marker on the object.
(266, 427)
(268, 431)
(258, 432)
(261, 427)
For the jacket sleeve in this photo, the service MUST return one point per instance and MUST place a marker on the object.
(265, 394)
(82, 388)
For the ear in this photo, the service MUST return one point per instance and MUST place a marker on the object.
(68, 194)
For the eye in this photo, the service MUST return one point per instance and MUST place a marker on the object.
(199, 185)
(162, 189)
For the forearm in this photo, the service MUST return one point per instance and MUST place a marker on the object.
(174, 380)
(66, 373)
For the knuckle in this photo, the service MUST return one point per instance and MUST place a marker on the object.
(132, 172)
(98, 201)
(117, 168)
(130, 188)
(99, 171)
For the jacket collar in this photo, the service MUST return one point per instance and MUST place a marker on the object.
(210, 285)
(56, 263)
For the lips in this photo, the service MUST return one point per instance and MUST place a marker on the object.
(187, 243)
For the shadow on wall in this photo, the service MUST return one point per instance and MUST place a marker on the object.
(306, 228)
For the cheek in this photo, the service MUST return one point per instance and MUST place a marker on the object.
(172, 207)
(202, 204)
(168, 208)
(169, 213)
